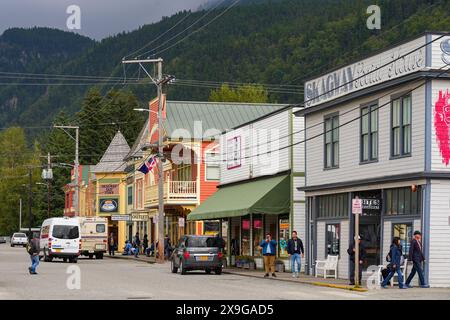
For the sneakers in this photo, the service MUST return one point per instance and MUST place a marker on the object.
(384, 286)
(29, 270)
(425, 286)
(274, 275)
(403, 287)
(266, 275)
(408, 286)
(294, 275)
(297, 275)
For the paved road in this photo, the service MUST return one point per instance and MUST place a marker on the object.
(123, 279)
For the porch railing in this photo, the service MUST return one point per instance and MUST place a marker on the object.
(174, 192)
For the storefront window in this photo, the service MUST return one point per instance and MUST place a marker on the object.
(333, 238)
(258, 234)
(332, 206)
(245, 233)
(403, 201)
(283, 236)
(404, 232)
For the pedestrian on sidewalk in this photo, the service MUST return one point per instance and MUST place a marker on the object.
(137, 240)
(145, 244)
(295, 249)
(127, 248)
(112, 244)
(33, 248)
(417, 257)
(396, 255)
(269, 249)
(135, 250)
(167, 247)
(362, 255)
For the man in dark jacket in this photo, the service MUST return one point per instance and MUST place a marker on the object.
(362, 256)
(417, 257)
(295, 249)
(33, 249)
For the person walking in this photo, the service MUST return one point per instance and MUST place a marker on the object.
(112, 244)
(145, 244)
(417, 257)
(269, 249)
(167, 247)
(33, 248)
(295, 249)
(396, 261)
(137, 241)
(362, 255)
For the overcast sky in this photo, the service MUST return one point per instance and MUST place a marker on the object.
(99, 18)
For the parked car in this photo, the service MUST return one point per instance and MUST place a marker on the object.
(94, 236)
(19, 239)
(3, 239)
(197, 253)
(60, 238)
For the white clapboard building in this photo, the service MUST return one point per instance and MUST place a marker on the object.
(379, 129)
(260, 173)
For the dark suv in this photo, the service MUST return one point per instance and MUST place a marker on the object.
(198, 253)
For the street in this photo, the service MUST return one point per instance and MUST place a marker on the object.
(122, 279)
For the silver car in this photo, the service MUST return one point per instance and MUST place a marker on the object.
(19, 239)
(198, 253)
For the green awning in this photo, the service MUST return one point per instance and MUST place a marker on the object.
(263, 196)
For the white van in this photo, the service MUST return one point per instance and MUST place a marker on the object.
(94, 236)
(60, 238)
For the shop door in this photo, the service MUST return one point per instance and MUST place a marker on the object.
(370, 231)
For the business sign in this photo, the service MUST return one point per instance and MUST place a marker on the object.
(181, 222)
(120, 217)
(371, 204)
(234, 152)
(442, 124)
(109, 205)
(388, 65)
(109, 189)
(357, 206)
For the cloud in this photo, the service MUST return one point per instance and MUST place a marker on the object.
(99, 18)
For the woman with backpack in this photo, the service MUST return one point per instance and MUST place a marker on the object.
(395, 255)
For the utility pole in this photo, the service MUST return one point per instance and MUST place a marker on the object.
(160, 81)
(30, 195)
(20, 214)
(76, 163)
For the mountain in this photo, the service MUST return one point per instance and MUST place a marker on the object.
(262, 41)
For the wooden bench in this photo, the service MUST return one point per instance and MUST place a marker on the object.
(325, 266)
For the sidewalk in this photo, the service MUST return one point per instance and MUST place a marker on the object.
(141, 258)
(281, 276)
(304, 279)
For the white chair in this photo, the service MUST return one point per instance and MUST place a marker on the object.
(330, 264)
(404, 268)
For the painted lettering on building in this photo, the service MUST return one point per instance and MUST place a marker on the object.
(442, 125)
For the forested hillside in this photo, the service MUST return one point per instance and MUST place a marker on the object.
(272, 42)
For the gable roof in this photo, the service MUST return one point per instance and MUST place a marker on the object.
(112, 159)
(141, 140)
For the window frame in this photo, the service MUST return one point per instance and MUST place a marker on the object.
(338, 224)
(401, 126)
(408, 223)
(334, 157)
(207, 166)
(370, 106)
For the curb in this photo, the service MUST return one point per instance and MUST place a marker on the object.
(319, 284)
(130, 259)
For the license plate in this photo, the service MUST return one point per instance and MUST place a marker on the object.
(58, 250)
(91, 251)
(203, 258)
(99, 246)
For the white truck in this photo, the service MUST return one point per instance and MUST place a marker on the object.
(94, 236)
(60, 238)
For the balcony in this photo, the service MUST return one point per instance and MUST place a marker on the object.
(175, 192)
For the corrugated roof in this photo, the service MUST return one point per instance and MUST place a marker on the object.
(220, 116)
(112, 159)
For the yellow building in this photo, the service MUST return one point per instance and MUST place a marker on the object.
(108, 180)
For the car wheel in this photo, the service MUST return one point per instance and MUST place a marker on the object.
(73, 260)
(91, 256)
(208, 271)
(172, 267)
(218, 271)
(99, 256)
(46, 257)
(12, 246)
(183, 269)
(65, 259)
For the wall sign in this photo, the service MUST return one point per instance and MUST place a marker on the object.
(120, 217)
(371, 204)
(234, 152)
(109, 205)
(107, 189)
(442, 125)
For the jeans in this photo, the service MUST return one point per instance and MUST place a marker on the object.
(417, 267)
(352, 272)
(34, 262)
(391, 274)
(295, 258)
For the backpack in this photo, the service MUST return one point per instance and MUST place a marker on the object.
(29, 248)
